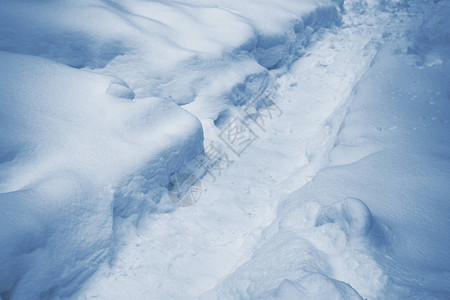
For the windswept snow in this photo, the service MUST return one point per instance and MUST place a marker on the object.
(340, 192)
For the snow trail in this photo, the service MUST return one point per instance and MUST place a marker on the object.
(185, 253)
(325, 136)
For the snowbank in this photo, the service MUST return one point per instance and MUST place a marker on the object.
(84, 141)
(66, 146)
(171, 49)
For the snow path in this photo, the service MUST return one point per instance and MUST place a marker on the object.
(184, 253)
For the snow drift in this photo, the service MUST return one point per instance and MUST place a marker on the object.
(91, 128)
(66, 146)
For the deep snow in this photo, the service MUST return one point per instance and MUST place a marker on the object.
(374, 222)
(66, 143)
(339, 193)
(80, 161)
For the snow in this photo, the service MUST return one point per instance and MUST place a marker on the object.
(188, 252)
(374, 220)
(67, 143)
(81, 163)
(340, 192)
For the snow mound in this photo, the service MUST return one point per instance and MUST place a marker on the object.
(91, 124)
(311, 251)
(67, 144)
(167, 49)
(314, 286)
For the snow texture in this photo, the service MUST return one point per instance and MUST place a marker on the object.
(343, 195)
(81, 152)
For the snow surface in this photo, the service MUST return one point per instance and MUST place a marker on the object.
(342, 193)
(391, 151)
(66, 144)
